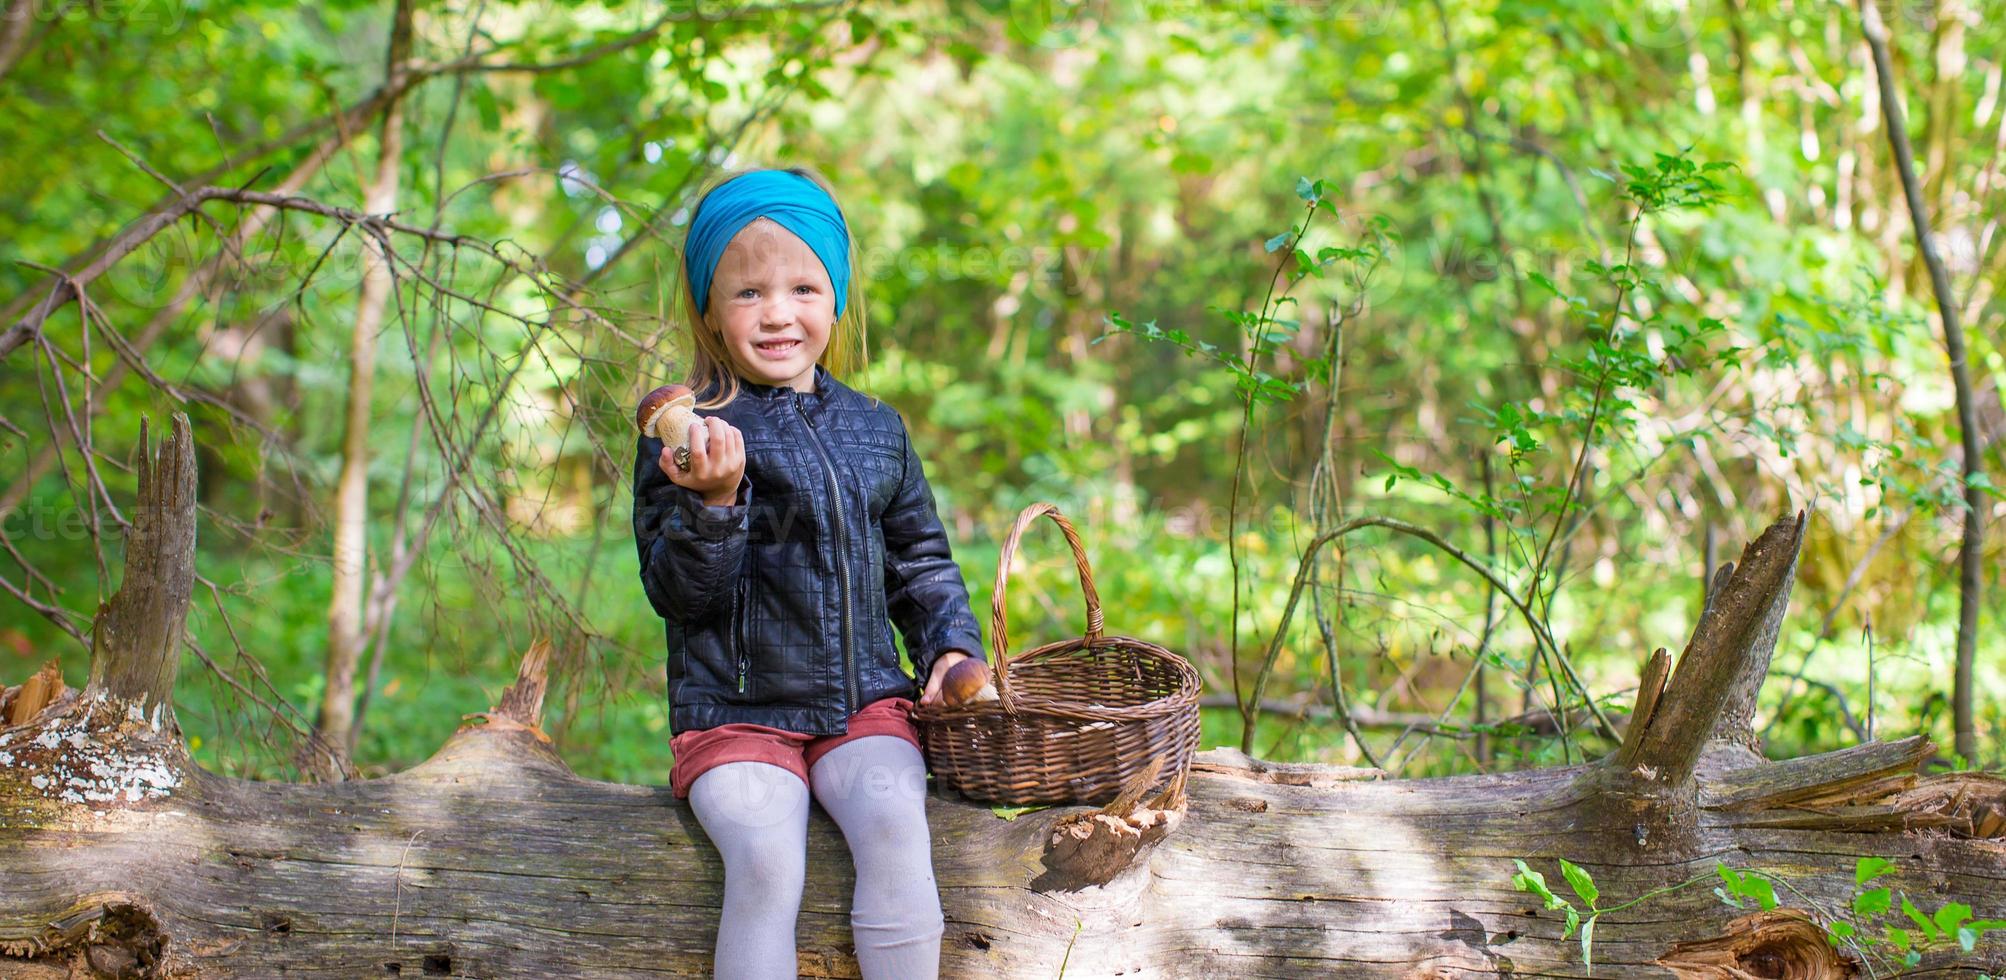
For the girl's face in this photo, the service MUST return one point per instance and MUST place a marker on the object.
(771, 301)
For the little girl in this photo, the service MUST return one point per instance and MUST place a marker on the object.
(800, 528)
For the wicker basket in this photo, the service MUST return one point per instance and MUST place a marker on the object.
(1073, 720)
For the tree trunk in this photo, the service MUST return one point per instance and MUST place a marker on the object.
(17, 18)
(1971, 549)
(345, 627)
(119, 857)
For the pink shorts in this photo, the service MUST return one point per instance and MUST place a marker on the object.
(695, 752)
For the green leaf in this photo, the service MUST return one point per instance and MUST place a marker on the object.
(1581, 881)
(1588, 945)
(1278, 241)
(1870, 868)
(1305, 190)
(1868, 904)
(1922, 923)
(1528, 880)
(1573, 923)
(1013, 812)
(484, 105)
(1951, 916)
(1186, 161)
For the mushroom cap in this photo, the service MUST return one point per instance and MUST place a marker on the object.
(661, 400)
(964, 681)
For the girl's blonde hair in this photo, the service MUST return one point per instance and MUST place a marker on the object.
(710, 363)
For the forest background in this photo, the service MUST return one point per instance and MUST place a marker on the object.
(1567, 299)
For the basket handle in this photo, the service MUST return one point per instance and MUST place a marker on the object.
(999, 642)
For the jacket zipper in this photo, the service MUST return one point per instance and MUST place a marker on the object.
(738, 632)
(842, 555)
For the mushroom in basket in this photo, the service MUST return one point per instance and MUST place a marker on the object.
(967, 681)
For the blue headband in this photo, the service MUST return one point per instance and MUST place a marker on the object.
(791, 200)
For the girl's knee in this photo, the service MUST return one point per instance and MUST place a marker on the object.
(773, 870)
(888, 826)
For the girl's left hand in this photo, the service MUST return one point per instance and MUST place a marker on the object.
(940, 665)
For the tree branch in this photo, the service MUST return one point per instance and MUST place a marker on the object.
(1726, 659)
(1251, 709)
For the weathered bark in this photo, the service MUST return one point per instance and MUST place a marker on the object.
(136, 639)
(1710, 699)
(492, 859)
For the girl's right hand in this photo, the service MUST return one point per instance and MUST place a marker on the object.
(717, 462)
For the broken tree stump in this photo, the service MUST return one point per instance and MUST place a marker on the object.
(119, 857)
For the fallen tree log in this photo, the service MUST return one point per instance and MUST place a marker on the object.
(119, 857)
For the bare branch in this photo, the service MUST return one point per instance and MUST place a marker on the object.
(1540, 636)
(1715, 678)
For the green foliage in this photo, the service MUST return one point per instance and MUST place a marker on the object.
(1605, 379)
(1587, 304)
(1868, 928)
(1583, 884)
(1740, 889)
(1261, 332)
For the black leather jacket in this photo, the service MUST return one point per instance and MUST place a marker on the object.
(777, 605)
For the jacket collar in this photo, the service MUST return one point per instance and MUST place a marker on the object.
(825, 388)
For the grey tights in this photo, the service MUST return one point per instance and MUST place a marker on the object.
(757, 814)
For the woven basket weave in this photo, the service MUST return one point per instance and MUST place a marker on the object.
(1073, 720)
